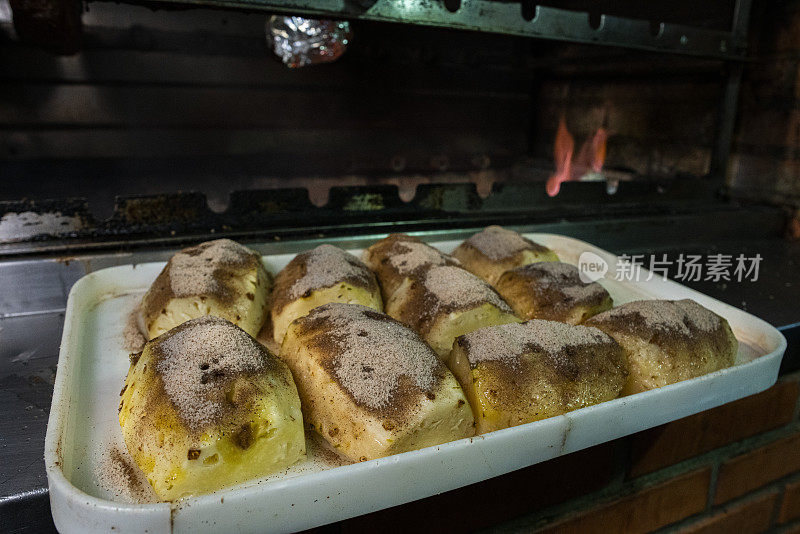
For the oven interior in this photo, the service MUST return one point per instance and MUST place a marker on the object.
(141, 122)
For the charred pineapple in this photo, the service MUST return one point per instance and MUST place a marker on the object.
(520, 373)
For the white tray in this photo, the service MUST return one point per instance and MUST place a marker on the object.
(92, 367)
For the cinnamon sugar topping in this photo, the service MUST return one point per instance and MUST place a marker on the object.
(564, 278)
(455, 287)
(506, 343)
(327, 266)
(198, 359)
(132, 338)
(117, 473)
(497, 243)
(193, 270)
(676, 316)
(374, 353)
(412, 255)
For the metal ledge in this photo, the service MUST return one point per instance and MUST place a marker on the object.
(507, 18)
(36, 226)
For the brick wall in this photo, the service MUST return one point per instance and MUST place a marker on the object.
(735, 468)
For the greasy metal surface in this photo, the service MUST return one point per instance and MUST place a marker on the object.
(268, 213)
(27, 219)
(34, 293)
(28, 356)
(30, 287)
(27, 373)
(507, 17)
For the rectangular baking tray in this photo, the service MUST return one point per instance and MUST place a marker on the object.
(83, 424)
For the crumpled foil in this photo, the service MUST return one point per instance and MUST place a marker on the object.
(300, 41)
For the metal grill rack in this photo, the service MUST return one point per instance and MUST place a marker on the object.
(523, 19)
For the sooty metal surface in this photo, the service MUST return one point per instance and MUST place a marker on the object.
(39, 227)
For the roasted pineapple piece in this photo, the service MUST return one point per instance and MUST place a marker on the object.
(220, 278)
(520, 373)
(319, 276)
(553, 291)
(370, 386)
(495, 250)
(443, 302)
(667, 341)
(398, 257)
(206, 406)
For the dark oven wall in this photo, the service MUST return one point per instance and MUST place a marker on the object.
(191, 99)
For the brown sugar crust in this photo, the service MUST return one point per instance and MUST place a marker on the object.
(549, 290)
(442, 289)
(495, 250)
(203, 270)
(581, 365)
(319, 268)
(198, 366)
(559, 341)
(676, 326)
(399, 256)
(496, 243)
(382, 366)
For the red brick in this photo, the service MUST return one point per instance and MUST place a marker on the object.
(753, 469)
(645, 511)
(750, 517)
(498, 499)
(790, 507)
(706, 431)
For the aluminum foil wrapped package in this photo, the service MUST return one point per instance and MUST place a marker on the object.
(300, 41)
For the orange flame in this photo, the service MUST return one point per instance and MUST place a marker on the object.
(562, 153)
(599, 143)
(590, 157)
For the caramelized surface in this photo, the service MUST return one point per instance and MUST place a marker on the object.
(519, 373)
(668, 341)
